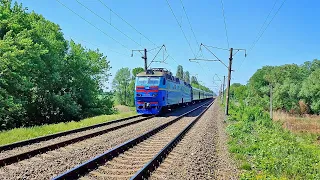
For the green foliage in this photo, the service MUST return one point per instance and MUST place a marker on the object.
(186, 77)
(44, 78)
(199, 86)
(290, 85)
(310, 91)
(136, 71)
(180, 72)
(266, 150)
(263, 148)
(194, 80)
(121, 86)
(238, 90)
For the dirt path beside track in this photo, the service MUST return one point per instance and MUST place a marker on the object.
(203, 153)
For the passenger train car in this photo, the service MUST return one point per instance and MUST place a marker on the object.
(157, 89)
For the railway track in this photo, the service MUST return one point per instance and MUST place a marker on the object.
(15, 152)
(138, 157)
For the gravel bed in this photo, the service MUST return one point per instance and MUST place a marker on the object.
(125, 165)
(52, 163)
(22, 149)
(202, 153)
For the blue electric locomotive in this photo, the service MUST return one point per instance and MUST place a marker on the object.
(157, 88)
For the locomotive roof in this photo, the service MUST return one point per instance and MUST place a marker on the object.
(155, 73)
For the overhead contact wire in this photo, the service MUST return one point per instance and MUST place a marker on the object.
(93, 25)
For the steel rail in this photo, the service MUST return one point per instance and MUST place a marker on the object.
(29, 154)
(94, 163)
(52, 136)
(153, 164)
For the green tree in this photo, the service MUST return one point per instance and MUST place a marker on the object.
(179, 72)
(194, 80)
(136, 71)
(120, 84)
(186, 77)
(44, 78)
(310, 91)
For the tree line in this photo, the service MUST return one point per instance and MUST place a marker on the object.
(43, 77)
(193, 81)
(296, 88)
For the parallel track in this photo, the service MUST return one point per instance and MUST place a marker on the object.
(145, 152)
(28, 154)
(52, 136)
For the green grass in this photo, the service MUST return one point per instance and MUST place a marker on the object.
(19, 134)
(264, 150)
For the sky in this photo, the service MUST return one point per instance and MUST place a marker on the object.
(292, 36)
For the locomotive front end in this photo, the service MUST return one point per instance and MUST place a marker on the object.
(148, 94)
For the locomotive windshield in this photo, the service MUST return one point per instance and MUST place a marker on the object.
(149, 81)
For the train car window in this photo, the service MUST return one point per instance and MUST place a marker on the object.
(164, 81)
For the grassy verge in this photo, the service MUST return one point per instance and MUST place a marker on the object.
(20, 134)
(265, 150)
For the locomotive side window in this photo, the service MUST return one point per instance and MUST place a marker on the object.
(164, 81)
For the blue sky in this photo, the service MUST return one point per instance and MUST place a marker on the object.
(292, 36)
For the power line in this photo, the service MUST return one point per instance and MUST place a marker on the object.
(108, 23)
(215, 47)
(225, 24)
(105, 5)
(260, 30)
(255, 42)
(185, 12)
(114, 26)
(214, 55)
(180, 28)
(85, 41)
(126, 22)
(93, 25)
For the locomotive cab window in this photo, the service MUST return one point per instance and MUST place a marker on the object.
(148, 81)
(164, 81)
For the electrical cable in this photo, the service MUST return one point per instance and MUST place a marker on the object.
(255, 42)
(181, 28)
(185, 12)
(108, 23)
(93, 25)
(225, 24)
